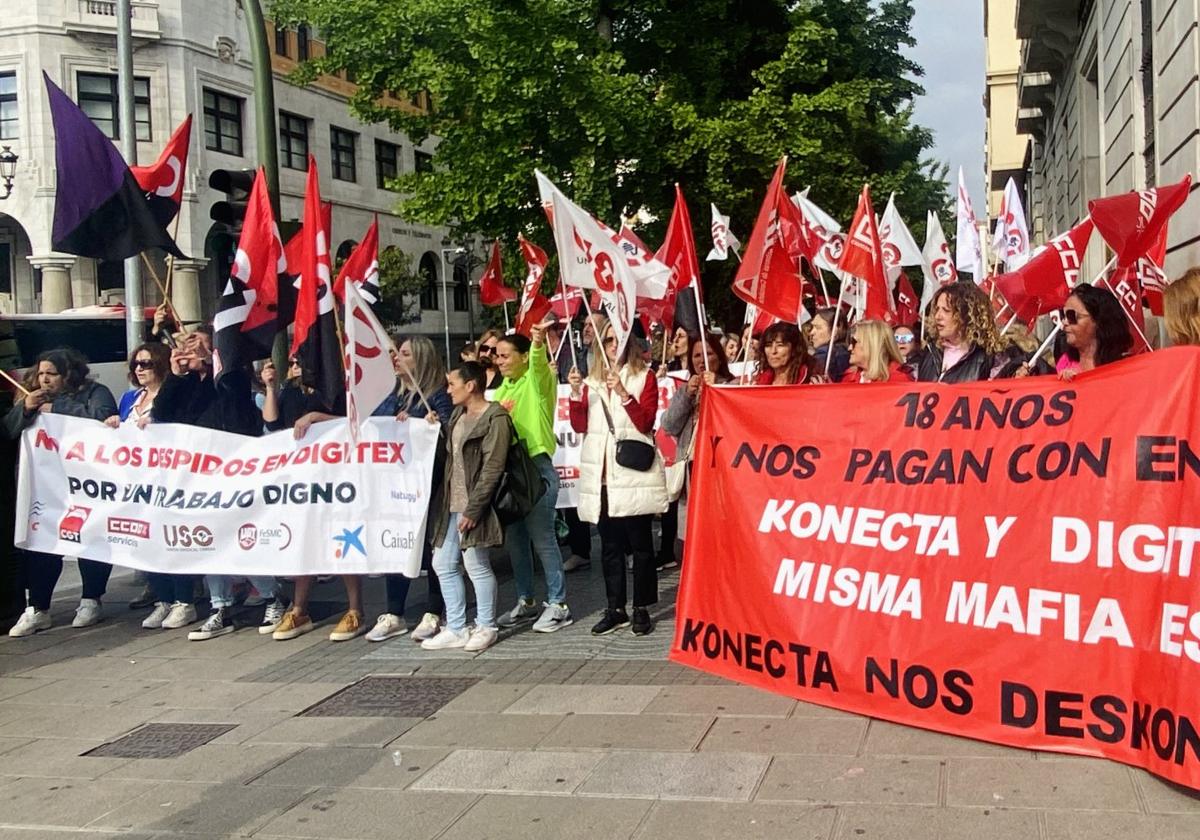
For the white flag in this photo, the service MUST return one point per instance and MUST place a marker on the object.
(970, 250)
(652, 287)
(825, 228)
(370, 377)
(899, 247)
(590, 257)
(937, 264)
(722, 236)
(1010, 243)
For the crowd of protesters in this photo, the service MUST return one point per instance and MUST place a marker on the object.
(502, 392)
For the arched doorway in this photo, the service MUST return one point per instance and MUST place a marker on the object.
(18, 283)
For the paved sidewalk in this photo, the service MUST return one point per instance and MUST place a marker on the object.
(543, 736)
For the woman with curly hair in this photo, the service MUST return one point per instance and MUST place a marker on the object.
(1181, 308)
(784, 359)
(63, 387)
(964, 336)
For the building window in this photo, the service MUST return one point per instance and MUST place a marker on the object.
(293, 141)
(281, 40)
(422, 161)
(428, 269)
(302, 43)
(341, 151)
(8, 106)
(462, 297)
(6, 268)
(387, 157)
(222, 122)
(98, 99)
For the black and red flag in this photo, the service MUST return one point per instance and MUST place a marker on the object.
(315, 339)
(99, 209)
(246, 320)
(361, 268)
(162, 180)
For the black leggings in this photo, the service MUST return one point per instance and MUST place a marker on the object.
(43, 570)
(615, 532)
(397, 588)
(670, 530)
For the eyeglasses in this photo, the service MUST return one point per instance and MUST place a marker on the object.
(612, 339)
(487, 349)
(293, 363)
(1072, 316)
(904, 339)
(142, 364)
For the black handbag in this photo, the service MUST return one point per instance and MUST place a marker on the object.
(521, 487)
(631, 454)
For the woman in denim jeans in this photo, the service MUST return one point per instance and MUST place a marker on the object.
(464, 522)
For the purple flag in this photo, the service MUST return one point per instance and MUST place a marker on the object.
(99, 209)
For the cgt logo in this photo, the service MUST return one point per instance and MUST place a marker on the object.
(188, 537)
(72, 523)
(129, 527)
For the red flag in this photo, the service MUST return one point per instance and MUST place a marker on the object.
(315, 340)
(534, 305)
(1148, 273)
(362, 267)
(863, 258)
(492, 291)
(908, 304)
(768, 275)
(246, 319)
(163, 179)
(1130, 223)
(567, 307)
(1044, 283)
(293, 249)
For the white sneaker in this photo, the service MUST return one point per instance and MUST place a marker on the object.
(447, 639)
(30, 622)
(181, 615)
(388, 626)
(155, 620)
(272, 616)
(554, 617)
(575, 562)
(428, 628)
(87, 613)
(481, 638)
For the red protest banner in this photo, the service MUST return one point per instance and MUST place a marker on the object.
(1011, 561)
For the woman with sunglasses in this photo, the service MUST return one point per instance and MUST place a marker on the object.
(419, 370)
(485, 354)
(618, 402)
(173, 594)
(906, 341)
(1096, 331)
(874, 355)
(785, 359)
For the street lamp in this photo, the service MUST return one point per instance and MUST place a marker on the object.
(8, 169)
(446, 295)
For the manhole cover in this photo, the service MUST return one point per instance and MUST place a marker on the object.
(391, 697)
(162, 740)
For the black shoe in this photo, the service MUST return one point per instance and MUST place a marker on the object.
(642, 624)
(610, 621)
(143, 600)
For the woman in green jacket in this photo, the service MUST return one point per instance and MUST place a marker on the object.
(464, 523)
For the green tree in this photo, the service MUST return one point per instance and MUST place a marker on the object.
(617, 100)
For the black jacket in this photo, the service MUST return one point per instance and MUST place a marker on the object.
(92, 400)
(973, 367)
(227, 406)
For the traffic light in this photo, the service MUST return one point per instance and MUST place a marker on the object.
(236, 184)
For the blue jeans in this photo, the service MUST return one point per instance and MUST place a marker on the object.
(220, 588)
(449, 573)
(538, 528)
(172, 589)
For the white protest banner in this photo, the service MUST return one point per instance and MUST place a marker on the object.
(171, 498)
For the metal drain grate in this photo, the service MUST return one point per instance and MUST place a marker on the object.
(391, 697)
(162, 740)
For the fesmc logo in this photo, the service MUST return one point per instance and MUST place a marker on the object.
(250, 535)
(72, 523)
(188, 537)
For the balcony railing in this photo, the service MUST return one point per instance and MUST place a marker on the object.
(100, 17)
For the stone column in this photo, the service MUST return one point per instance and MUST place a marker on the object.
(56, 280)
(185, 288)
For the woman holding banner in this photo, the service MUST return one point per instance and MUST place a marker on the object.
(1096, 329)
(681, 416)
(620, 491)
(785, 359)
(419, 371)
(964, 339)
(462, 520)
(1181, 308)
(62, 387)
(874, 355)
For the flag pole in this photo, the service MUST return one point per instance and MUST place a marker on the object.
(703, 318)
(603, 355)
(837, 312)
(166, 297)
(567, 311)
(504, 305)
(14, 383)
(1010, 321)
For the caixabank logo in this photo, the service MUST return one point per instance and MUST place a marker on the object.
(72, 523)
